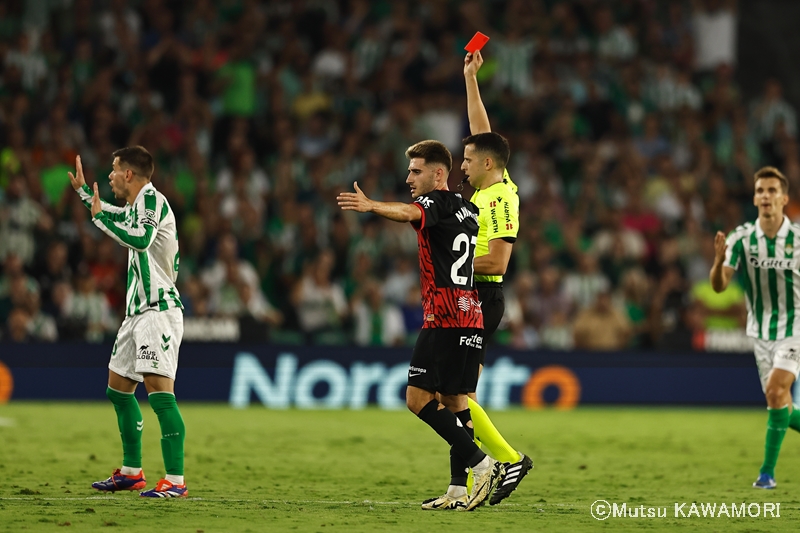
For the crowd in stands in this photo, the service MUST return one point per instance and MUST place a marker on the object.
(631, 145)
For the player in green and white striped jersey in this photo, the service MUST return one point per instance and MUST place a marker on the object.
(764, 250)
(146, 348)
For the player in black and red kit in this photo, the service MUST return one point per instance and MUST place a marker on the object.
(447, 353)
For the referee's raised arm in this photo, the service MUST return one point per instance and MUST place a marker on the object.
(478, 119)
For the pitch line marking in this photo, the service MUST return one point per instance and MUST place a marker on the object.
(226, 500)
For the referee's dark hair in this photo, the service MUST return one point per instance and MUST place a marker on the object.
(493, 144)
(772, 172)
(431, 152)
(136, 158)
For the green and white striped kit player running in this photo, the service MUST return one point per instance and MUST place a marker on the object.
(771, 281)
(764, 253)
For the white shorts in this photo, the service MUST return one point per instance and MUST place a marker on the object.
(148, 344)
(783, 354)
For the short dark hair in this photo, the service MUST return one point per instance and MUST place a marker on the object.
(431, 152)
(772, 172)
(136, 158)
(493, 144)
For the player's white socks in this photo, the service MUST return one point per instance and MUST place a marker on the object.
(483, 466)
(129, 471)
(175, 480)
(456, 491)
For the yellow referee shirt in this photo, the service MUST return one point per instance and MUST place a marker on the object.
(498, 218)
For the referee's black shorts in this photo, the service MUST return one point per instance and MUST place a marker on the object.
(493, 306)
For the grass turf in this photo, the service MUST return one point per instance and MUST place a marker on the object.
(257, 470)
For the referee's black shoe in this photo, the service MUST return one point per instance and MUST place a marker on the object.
(514, 474)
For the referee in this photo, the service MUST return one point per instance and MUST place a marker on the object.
(486, 155)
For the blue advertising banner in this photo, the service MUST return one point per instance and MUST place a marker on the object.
(309, 377)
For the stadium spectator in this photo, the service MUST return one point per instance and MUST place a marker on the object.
(320, 302)
(41, 326)
(770, 111)
(88, 306)
(18, 326)
(720, 311)
(601, 326)
(714, 25)
(377, 322)
(225, 280)
(21, 217)
(14, 285)
(629, 132)
(583, 286)
(54, 269)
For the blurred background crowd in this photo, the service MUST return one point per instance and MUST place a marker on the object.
(631, 144)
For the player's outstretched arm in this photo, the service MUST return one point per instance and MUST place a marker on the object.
(720, 274)
(478, 118)
(358, 201)
(78, 182)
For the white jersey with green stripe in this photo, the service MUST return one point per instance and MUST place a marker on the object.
(770, 276)
(147, 228)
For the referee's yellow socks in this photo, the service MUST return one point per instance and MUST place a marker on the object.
(490, 438)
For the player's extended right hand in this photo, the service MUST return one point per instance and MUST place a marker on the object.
(354, 201)
(77, 179)
(472, 63)
(720, 246)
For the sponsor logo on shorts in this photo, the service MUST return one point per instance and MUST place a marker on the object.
(474, 341)
(791, 354)
(416, 371)
(147, 354)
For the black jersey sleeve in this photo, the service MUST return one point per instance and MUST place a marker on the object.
(434, 206)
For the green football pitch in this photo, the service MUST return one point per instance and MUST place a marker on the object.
(258, 470)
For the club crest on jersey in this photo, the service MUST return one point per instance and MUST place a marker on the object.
(425, 201)
(465, 304)
(788, 250)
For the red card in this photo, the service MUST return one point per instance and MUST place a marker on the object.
(477, 42)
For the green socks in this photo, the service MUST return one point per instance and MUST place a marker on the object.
(129, 420)
(777, 424)
(173, 430)
(488, 435)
